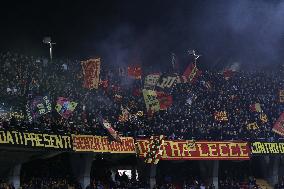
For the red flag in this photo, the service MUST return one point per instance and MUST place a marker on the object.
(165, 100)
(134, 71)
(192, 73)
(279, 125)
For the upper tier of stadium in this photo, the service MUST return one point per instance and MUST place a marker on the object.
(225, 105)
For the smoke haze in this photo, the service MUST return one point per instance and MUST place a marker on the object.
(249, 32)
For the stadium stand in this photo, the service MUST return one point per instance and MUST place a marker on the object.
(250, 102)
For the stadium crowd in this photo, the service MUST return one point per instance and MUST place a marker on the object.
(24, 77)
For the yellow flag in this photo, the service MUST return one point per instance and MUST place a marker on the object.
(72, 106)
(252, 126)
(151, 101)
(263, 117)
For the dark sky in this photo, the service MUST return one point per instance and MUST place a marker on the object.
(248, 32)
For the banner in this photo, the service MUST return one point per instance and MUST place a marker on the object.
(37, 107)
(5, 115)
(279, 125)
(134, 72)
(91, 70)
(151, 80)
(166, 82)
(89, 143)
(192, 73)
(151, 101)
(281, 96)
(221, 116)
(33, 140)
(262, 148)
(65, 107)
(201, 150)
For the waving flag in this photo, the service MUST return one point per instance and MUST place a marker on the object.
(91, 70)
(109, 128)
(151, 101)
(37, 107)
(151, 80)
(65, 107)
(166, 81)
(192, 73)
(279, 125)
(255, 107)
(165, 100)
(134, 72)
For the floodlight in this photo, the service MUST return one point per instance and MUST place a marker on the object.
(47, 40)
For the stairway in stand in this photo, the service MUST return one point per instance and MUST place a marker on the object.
(263, 184)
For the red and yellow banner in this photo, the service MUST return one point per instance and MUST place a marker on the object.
(89, 143)
(201, 150)
(91, 70)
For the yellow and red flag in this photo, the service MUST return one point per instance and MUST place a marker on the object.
(91, 70)
(192, 73)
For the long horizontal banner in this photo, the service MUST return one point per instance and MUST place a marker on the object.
(169, 150)
(89, 143)
(262, 148)
(200, 150)
(35, 140)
